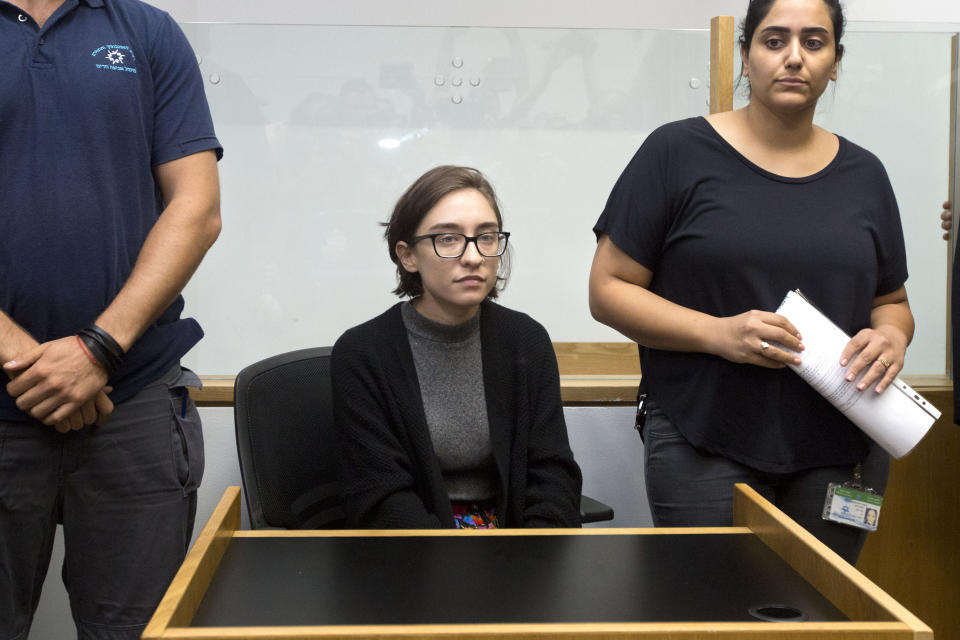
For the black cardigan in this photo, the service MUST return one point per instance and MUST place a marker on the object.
(390, 475)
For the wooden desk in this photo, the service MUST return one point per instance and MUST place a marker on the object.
(671, 574)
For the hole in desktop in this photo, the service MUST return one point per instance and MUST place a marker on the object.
(777, 613)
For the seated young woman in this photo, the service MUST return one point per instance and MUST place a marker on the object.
(447, 405)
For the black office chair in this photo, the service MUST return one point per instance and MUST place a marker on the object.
(283, 411)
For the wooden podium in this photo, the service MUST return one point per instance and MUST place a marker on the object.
(688, 583)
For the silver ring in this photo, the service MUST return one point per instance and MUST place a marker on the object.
(886, 363)
(764, 345)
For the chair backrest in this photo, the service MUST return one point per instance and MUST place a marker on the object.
(284, 423)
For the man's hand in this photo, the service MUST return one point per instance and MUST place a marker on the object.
(95, 411)
(56, 380)
(15, 342)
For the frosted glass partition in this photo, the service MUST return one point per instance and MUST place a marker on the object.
(325, 126)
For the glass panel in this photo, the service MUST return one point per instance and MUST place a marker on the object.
(325, 126)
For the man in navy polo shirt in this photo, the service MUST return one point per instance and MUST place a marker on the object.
(109, 199)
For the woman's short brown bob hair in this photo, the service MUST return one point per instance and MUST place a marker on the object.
(417, 201)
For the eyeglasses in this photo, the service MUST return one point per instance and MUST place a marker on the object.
(453, 245)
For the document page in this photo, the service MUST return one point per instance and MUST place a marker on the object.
(897, 419)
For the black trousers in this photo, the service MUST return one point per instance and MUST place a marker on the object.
(126, 496)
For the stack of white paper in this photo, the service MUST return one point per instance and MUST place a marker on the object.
(897, 419)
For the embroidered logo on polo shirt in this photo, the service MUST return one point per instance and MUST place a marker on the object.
(115, 57)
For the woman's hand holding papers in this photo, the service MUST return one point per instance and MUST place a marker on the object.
(753, 337)
(878, 352)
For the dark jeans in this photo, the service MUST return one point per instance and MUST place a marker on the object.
(126, 496)
(688, 487)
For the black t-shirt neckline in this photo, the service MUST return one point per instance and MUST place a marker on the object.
(841, 151)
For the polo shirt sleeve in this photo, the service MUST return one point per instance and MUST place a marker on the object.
(182, 124)
(641, 207)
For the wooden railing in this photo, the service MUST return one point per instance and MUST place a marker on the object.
(591, 373)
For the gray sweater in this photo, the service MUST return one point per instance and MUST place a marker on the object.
(450, 372)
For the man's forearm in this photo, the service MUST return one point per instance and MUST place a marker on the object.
(14, 339)
(173, 249)
(172, 252)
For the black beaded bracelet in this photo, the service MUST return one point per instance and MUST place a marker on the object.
(103, 347)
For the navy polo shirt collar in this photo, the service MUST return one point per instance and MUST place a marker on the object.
(66, 7)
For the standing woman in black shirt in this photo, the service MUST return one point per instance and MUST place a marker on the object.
(708, 227)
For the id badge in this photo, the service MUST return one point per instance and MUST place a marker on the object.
(854, 507)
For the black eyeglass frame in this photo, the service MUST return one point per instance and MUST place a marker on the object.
(467, 240)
